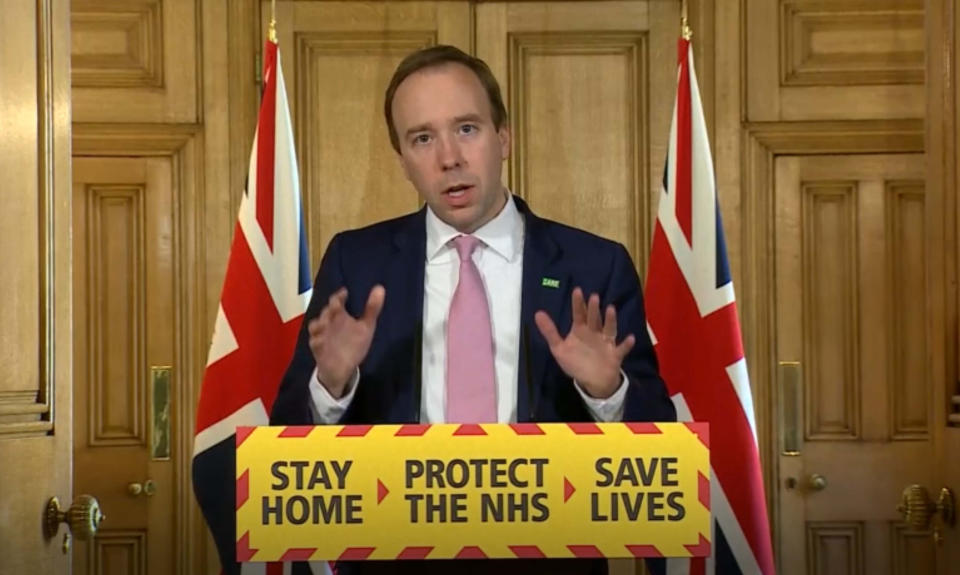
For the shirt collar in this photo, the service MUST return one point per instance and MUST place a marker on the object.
(503, 234)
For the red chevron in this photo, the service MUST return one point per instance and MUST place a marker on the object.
(412, 430)
(354, 430)
(703, 490)
(568, 489)
(356, 553)
(244, 552)
(298, 554)
(644, 551)
(527, 429)
(586, 551)
(701, 549)
(701, 429)
(527, 551)
(414, 552)
(296, 431)
(243, 433)
(471, 553)
(243, 488)
(470, 429)
(585, 428)
(639, 427)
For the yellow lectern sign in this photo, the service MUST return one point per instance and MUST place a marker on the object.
(472, 491)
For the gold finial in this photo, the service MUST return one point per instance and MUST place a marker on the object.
(272, 34)
(685, 30)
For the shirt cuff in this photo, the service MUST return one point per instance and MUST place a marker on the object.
(327, 409)
(609, 409)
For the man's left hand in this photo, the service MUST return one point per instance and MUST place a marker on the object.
(589, 354)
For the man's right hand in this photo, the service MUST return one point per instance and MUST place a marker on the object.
(339, 342)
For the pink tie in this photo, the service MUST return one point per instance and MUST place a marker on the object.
(471, 384)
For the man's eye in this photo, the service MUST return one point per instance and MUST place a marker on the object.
(468, 129)
(421, 139)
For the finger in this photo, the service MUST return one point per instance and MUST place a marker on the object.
(593, 313)
(374, 305)
(578, 306)
(320, 323)
(625, 346)
(333, 313)
(337, 299)
(338, 296)
(314, 327)
(610, 323)
(547, 328)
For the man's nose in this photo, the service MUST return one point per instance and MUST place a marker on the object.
(448, 153)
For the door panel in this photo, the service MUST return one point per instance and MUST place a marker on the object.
(123, 352)
(589, 88)
(852, 345)
(338, 58)
(134, 61)
(35, 325)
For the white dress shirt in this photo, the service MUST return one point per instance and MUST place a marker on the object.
(499, 258)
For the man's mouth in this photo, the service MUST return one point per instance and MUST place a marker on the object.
(457, 190)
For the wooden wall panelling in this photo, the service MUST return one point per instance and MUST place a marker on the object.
(845, 59)
(135, 60)
(35, 321)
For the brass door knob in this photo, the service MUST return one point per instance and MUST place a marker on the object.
(818, 482)
(83, 518)
(148, 488)
(918, 509)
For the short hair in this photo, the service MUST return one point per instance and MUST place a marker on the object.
(436, 56)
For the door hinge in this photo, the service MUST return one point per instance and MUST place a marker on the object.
(258, 68)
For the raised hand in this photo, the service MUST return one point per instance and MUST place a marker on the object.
(339, 342)
(589, 353)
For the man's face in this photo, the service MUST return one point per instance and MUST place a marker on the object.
(449, 147)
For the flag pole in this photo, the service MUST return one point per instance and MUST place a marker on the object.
(685, 30)
(273, 21)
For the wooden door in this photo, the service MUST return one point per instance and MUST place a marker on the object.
(589, 88)
(856, 399)
(35, 326)
(338, 58)
(124, 321)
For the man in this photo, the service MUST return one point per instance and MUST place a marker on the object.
(451, 314)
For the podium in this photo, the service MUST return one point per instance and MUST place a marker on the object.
(468, 491)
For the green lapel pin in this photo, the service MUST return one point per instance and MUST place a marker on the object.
(550, 283)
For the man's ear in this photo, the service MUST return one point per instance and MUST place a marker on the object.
(505, 142)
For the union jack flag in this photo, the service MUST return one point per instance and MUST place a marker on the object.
(692, 317)
(265, 294)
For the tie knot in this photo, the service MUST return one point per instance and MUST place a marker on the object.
(465, 246)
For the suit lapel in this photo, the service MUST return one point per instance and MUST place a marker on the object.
(403, 280)
(545, 287)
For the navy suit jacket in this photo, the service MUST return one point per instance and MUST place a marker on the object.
(393, 254)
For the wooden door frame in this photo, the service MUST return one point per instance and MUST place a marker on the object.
(182, 144)
(941, 20)
(942, 173)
